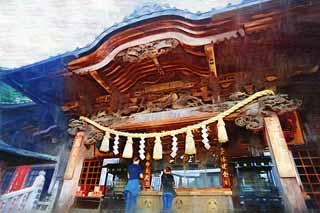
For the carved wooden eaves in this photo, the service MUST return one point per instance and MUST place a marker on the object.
(149, 50)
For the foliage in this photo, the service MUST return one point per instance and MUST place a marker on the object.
(9, 95)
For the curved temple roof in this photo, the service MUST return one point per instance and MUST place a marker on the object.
(150, 11)
(63, 26)
(41, 81)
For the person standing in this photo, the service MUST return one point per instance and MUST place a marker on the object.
(132, 189)
(168, 191)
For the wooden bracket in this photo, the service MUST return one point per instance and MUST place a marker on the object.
(209, 50)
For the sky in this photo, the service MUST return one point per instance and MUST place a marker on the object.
(34, 30)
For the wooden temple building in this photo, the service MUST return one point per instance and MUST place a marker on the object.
(228, 99)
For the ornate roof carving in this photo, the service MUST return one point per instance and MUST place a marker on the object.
(252, 116)
(148, 50)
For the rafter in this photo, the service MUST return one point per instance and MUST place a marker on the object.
(95, 75)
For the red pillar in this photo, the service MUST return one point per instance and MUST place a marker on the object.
(18, 178)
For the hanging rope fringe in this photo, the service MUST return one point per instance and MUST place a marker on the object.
(116, 145)
(157, 149)
(105, 143)
(190, 145)
(128, 149)
(222, 132)
(190, 148)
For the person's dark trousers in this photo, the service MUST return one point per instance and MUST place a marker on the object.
(167, 198)
(130, 202)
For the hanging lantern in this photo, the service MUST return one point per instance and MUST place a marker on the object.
(105, 143)
(205, 139)
(174, 148)
(222, 132)
(116, 145)
(190, 148)
(128, 149)
(141, 149)
(157, 149)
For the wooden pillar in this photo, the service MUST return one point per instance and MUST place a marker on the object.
(291, 192)
(77, 155)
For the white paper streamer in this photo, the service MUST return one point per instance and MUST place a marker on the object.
(174, 148)
(141, 149)
(116, 145)
(205, 139)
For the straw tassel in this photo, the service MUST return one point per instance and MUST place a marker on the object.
(105, 143)
(190, 148)
(157, 149)
(128, 149)
(222, 132)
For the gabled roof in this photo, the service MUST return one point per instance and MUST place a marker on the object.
(43, 81)
(151, 11)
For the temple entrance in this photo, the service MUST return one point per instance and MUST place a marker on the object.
(227, 98)
(239, 174)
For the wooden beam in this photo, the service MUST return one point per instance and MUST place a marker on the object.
(133, 124)
(167, 86)
(71, 105)
(95, 75)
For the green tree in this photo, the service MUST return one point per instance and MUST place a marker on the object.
(9, 95)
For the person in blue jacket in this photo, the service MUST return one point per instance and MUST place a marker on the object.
(132, 189)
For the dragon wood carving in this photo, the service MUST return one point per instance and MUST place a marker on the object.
(149, 50)
(93, 135)
(167, 101)
(251, 116)
(172, 101)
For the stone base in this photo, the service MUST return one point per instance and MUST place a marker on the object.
(195, 200)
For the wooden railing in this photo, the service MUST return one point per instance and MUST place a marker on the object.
(23, 200)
